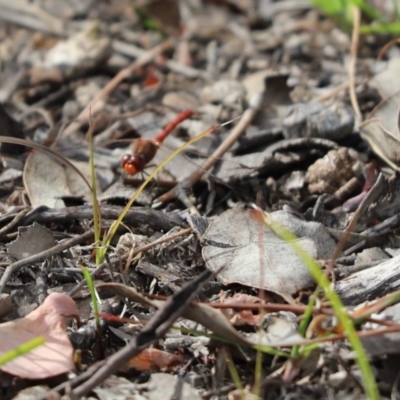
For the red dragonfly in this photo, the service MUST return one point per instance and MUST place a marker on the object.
(144, 150)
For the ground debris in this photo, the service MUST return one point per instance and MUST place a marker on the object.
(198, 276)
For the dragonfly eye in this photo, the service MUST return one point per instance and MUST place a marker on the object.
(130, 169)
(126, 159)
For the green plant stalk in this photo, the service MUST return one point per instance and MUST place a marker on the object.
(367, 9)
(113, 229)
(340, 10)
(370, 386)
(381, 29)
(21, 350)
(96, 208)
(234, 374)
(305, 321)
(92, 291)
(258, 373)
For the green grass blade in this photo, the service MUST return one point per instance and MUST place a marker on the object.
(305, 320)
(21, 350)
(92, 290)
(320, 278)
(381, 29)
(234, 373)
(96, 208)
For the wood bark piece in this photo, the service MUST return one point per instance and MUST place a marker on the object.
(370, 283)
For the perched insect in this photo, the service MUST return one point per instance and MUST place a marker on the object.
(145, 150)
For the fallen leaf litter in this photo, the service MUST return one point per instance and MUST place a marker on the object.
(292, 146)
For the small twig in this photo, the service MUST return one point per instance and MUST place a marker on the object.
(353, 61)
(368, 199)
(94, 106)
(236, 132)
(333, 92)
(6, 228)
(165, 238)
(386, 47)
(42, 256)
(136, 217)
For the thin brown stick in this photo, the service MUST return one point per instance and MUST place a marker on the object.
(97, 102)
(386, 47)
(333, 92)
(6, 228)
(42, 256)
(353, 60)
(163, 239)
(236, 132)
(368, 199)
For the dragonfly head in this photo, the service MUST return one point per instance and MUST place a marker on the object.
(132, 164)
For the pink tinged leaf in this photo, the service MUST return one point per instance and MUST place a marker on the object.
(55, 357)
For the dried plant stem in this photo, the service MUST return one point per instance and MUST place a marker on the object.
(353, 60)
(333, 92)
(6, 228)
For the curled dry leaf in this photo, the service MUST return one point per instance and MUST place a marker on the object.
(151, 359)
(382, 132)
(55, 357)
(241, 317)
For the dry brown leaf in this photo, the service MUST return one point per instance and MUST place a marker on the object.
(53, 358)
(47, 180)
(242, 250)
(31, 240)
(242, 317)
(151, 359)
(382, 133)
